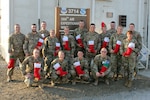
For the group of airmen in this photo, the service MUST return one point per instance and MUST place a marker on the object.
(84, 55)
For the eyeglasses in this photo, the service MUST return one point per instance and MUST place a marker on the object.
(103, 51)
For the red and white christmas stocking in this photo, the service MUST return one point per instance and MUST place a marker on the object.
(66, 45)
(104, 66)
(37, 69)
(11, 62)
(39, 43)
(103, 69)
(43, 36)
(57, 47)
(91, 46)
(78, 68)
(105, 42)
(58, 68)
(129, 50)
(117, 47)
(79, 40)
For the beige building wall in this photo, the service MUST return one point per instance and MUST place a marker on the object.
(5, 27)
(26, 12)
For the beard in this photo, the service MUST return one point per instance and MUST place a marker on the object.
(33, 30)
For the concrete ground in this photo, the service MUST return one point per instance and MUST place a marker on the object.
(115, 91)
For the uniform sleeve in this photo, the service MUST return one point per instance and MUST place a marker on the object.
(45, 46)
(52, 70)
(136, 50)
(66, 66)
(85, 42)
(99, 42)
(74, 33)
(111, 42)
(139, 41)
(24, 37)
(23, 66)
(86, 65)
(122, 47)
(43, 72)
(95, 64)
(25, 46)
(72, 45)
(42, 63)
(72, 62)
(109, 68)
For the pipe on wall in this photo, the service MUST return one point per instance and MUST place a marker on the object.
(39, 13)
(93, 11)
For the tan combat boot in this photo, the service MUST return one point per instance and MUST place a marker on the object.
(129, 84)
(126, 83)
(40, 86)
(28, 82)
(114, 77)
(9, 78)
(73, 82)
(95, 82)
(52, 83)
(107, 81)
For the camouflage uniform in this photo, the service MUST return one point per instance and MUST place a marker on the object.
(28, 70)
(111, 31)
(31, 42)
(16, 42)
(92, 37)
(69, 53)
(49, 51)
(81, 32)
(129, 63)
(102, 36)
(53, 73)
(97, 65)
(115, 57)
(44, 33)
(137, 36)
(84, 66)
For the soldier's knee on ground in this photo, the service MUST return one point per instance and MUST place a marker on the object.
(54, 77)
(85, 77)
(72, 73)
(28, 82)
(93, 75)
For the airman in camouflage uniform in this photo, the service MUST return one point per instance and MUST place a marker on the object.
(80, 31)
(103, 35)
(98, 67)
(49, 50)
(112, 28)
(31, 41)
(16, 41)
(28, 69)
(82, 64)
(91, 36)
(56, 74)
(137, 36)
(116, 56)
(44, 33)
(69, 51)
(129, 61)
